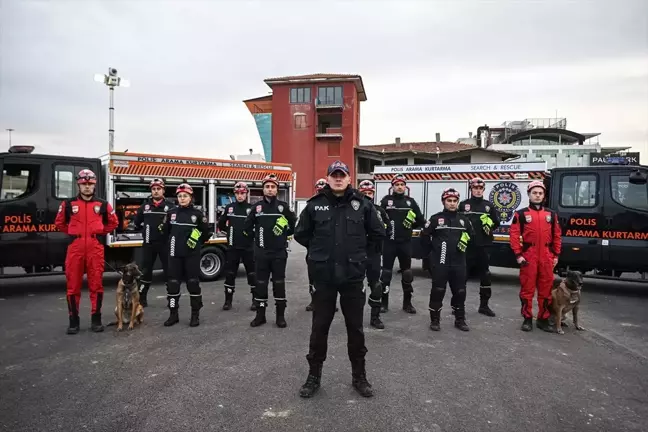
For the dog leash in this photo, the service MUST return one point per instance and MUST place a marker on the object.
(116, 271)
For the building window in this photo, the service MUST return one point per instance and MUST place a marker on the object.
(64, 186)
(329, 95)
(18, 181)
(628, 194)
(301, 95)
(300, 121)
(579, 191)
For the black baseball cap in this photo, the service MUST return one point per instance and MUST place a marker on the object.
(338, 166)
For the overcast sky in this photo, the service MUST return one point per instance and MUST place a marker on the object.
(428, 66)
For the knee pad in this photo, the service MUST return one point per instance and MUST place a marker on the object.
(173, 286)
(407, 276)
(193, 286)
(251, 277)
(386, 276)
(438, 290)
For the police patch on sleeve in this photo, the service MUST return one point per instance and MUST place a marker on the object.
(461, 221)
(247, 211)
(280, 208)
(96, 209)
(427, 224)
(258, 209)
(194, 218)
(166, 208)
(355, 204)
(408, 202)
(548, 217)
(467, 207)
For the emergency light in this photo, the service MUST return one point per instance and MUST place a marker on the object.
(21, 149)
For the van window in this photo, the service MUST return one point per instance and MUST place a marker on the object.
(579, 190)
(64, 185)
(628, 194)
(19, 180)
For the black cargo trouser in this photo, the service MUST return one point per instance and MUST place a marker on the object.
(267, 263)
(309, 269)
(402, 251)
(150, 252)
(352, 300)
(455, 276)
(373, 279)
(479, 259)
(233, 258)
(185, 269)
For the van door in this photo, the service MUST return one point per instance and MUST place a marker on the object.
(62, 186)
(23, 201)
(625, 236)
(579, 201)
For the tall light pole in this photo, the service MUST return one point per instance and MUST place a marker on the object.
(10, 130)
(112, 80)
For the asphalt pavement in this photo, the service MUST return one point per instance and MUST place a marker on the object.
(227, 376)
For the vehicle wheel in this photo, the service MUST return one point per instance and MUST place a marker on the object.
(212, 261)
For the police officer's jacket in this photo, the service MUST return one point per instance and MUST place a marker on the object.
(440, 238)
(232, 222)
(338, 233)
(149, 217)
(262, 220)
(178, 225)
(397, 206)
(384, 218)
(474, 208)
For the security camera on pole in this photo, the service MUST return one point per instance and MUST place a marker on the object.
(111, 80)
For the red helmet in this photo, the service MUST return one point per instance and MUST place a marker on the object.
(156, 182)
(184, 187)
(536, 183)
(366, 186)
(476, 181)
(241, 187)
(271, 178)
(449, 193)
(320, 184)
(86, 176)
(399, 178)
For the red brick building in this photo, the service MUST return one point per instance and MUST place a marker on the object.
(310, 121)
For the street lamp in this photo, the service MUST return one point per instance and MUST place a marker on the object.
(111, 80)
(10, 130)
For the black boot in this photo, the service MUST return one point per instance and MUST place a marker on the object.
(385, 303)
(309, 308)
(95, 324)
(260, 317)
(228, 300)
(543, 324)
(313, 381)
(375, 318)
(527, 325)
(142, 296)
(460, 319)
(195, 318)
(281, 320)
(359, 379)
(173, 318)
(73, 328)
(435, 320)
(484, 296)
(407, 303)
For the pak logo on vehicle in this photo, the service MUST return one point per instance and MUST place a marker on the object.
(507, 197)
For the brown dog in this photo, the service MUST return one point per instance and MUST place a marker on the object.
(565, 297)
(128, 310)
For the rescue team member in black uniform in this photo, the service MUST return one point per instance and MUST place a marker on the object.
(373, 265)
(338, 227)
(484, 219)
(148, 218)
(239, 246)
(272, 221)
(319, 185)
(446, 235)
(186, 228)
(404, 215)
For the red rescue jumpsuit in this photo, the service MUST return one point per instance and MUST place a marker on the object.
(84, 221)
(539, 245)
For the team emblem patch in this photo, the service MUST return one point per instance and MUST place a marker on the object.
(506, 197)
(528, 218)
(461, 221)
(548, 217)
(166, 208)
(204, 219)
(247, 211)
(280, 208)
(467, 207)
(258, 209)
(173, 217)
(230, 210)
(441, 221)
(355, 204)
(194, 218)
(390, 203)
(96, 209)
(487, 209)
(408, 202)
(75, 209)
(147, 207)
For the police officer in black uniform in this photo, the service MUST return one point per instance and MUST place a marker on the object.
(484, 218)
(338, 227)
(272, 222)
(367, 188)
(404, 215)
(186, 229)
(239, 245)
(319, 185)
(446, 235)
(148, 218)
